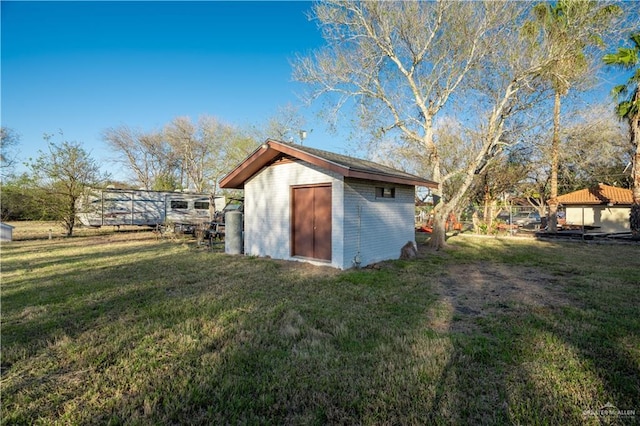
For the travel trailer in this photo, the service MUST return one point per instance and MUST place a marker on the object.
(115, 207)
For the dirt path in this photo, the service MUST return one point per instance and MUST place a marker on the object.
(476, 290)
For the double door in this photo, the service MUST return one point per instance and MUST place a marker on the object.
(311, 221)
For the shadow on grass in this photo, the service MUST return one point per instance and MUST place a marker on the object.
(534, 345)
(181, 335)
(207, 337)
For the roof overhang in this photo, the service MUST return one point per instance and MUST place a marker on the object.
(593, 203)
(271, 150)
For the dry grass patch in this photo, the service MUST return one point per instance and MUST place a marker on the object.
(471, 292)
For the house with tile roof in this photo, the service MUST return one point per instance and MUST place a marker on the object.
(604, 207)
(306, 204)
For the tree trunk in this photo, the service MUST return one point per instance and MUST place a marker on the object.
(552, 223)
(440, 211)
(634, 216)
(634, 221)
(71, 217)
(487, 199)
(438, 236)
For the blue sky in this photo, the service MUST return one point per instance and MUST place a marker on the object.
(82, 67)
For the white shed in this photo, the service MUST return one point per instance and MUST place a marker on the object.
(6, 232)
(307, 204)
(604, 208)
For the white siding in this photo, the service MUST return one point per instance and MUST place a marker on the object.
(267, 209)
(373, 228)
(376, 228)
(6, 232)
(609, 219)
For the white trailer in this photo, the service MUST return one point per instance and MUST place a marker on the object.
(115, 207)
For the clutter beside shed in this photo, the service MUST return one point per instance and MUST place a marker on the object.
(306, 204)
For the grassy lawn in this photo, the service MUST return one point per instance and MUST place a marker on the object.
(124, 328)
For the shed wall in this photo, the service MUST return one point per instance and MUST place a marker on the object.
(267, 209)
(374, 227)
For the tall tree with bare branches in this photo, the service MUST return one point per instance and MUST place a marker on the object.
(403, 66)
(400, 66)
(147, 155)
(206, 150)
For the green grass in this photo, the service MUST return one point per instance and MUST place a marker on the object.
(123, 328)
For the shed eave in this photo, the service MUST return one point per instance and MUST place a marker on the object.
(236, 178)
(380, 177)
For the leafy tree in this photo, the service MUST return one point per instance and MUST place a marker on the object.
(62, 174)
(9, 140)
(628, 97)
(20, 199)
(501, 177)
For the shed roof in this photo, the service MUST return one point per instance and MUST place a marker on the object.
(601, 194)
(346, 166)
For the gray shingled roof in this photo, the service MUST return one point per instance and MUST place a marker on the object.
(347, 166)
(352, 162)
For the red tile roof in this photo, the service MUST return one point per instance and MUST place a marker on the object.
(601, 194)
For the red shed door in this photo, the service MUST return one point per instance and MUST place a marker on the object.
(311, 222)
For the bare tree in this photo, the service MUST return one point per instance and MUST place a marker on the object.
(286, 125)
(401, 65)
(206, 151)
(147, 155)
(184, 155)
(202, 149)
(189, 150)
(591, 149)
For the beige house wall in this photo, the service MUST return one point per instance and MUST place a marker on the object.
(609, 218)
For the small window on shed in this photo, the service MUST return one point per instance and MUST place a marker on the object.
(201, 205)
(179, 204)
(385, 192)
